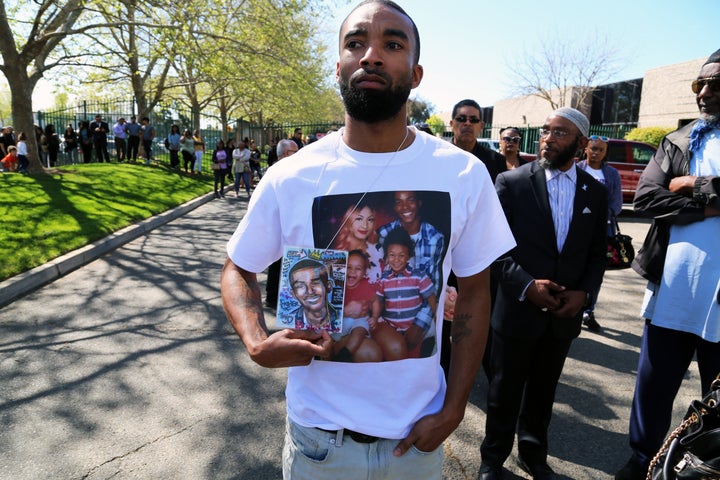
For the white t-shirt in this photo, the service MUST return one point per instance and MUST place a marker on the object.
(298, 203)
(597, 174)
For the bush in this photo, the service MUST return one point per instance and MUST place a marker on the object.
(651, 135)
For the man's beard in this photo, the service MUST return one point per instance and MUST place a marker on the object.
(710, 117)
(372, 106)
(561, 157)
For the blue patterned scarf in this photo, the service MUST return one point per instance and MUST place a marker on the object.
(698, 131)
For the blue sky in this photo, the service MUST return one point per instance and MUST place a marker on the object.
(469, 45)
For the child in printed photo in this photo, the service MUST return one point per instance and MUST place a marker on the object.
(407, 301)
(355, 345)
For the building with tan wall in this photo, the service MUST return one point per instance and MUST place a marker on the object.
(666, 101)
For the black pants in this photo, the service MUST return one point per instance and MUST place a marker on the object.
(174, 159)
(120, 148)
(133, 146)
(525, 372)
(86, 152)
(219, 179)
(147, 146)
(101, 151)
(188, 159)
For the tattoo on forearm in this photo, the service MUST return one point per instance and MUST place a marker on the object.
(460, 328)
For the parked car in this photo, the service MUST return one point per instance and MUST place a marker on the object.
(630, 159)
(489, 143)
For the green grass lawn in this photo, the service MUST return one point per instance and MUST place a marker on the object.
(45, 216)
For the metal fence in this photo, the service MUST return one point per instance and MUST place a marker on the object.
(531, 134)
(163, 118)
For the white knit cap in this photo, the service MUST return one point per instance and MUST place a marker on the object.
(576, 117)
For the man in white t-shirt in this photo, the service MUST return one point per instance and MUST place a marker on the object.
(353, 420)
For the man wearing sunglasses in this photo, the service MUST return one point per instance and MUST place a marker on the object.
(680, 190)
(466, 125)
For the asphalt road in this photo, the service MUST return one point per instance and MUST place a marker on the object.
(126, 368)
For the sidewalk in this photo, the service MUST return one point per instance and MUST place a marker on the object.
(127, 368)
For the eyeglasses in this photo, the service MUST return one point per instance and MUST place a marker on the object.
(598, 137)
(465, 118)
(511, 139)
(713, 84)
(544, 132)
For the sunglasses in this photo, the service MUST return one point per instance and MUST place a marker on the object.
(598, 137)
(713, 84)
(511, 139)
(465, 118)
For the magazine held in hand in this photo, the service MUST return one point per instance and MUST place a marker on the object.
(312, 289)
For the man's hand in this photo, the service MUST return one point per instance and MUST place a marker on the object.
(243, 306)
(572, 302)
(541, 293)
(290, 348)
(683, 185)
(428, 433)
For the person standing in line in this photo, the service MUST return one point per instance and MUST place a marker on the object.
(347, 420)
(120, 139)
(510, 138)
(467, 125)
(680, 190)
(53, 144)
(173, 140)
(297, 138)
(187, 150)
(558, 216)
(272, 155)
(284, 149)
(595, 163)
(230, 148)
(254, 161)
(199, 146)
(70, 138)
(241, 168)
(85, 141)
(22, 153)
(219, 163)
(99, 130)
(148, 135)
(132, 129)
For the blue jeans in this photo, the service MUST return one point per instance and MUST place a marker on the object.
(246, 178)
(313, 454)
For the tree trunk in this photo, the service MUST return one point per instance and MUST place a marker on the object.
(21, 88)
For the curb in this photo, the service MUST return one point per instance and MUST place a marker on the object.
(26, 282)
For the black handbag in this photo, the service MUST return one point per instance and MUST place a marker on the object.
(692, 451)
(620, 251)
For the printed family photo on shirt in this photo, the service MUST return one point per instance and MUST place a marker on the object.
(395, 243)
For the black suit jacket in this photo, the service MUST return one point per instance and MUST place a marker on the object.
(579, 266)
(98, 136)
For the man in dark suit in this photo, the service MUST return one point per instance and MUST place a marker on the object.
(558, 215)
(99, 130)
